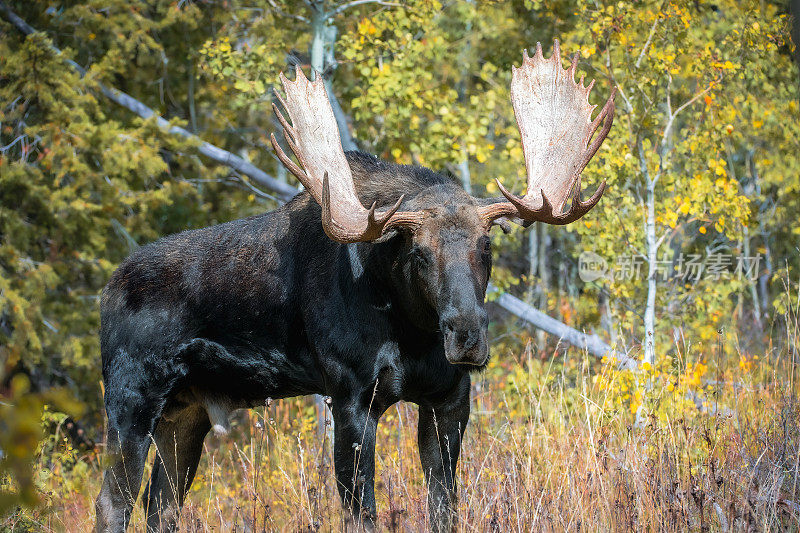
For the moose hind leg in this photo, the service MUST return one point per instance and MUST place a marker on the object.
(179, 445)
(131, 418)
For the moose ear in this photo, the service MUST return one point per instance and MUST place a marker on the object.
(388, 235)
(504, 224)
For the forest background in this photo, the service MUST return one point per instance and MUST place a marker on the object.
(687, 272)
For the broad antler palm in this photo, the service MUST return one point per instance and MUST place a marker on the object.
(314, 138)
(555, 122)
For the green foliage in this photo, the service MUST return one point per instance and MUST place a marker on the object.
(82, 182)
(21, 439)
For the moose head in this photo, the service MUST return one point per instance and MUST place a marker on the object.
(446, 250)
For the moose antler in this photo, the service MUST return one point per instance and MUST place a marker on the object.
(555, 122)
(313, 136)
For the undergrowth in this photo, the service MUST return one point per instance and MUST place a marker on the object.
(554, 443)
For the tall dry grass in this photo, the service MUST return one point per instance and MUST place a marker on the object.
(704, 442)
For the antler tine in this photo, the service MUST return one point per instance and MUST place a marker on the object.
(381, 220)
(573, 66)
(578, 208)
(606, 115)
(287, 161)
(288, 130)
(312, 134)
(289, 134)
(555, 121)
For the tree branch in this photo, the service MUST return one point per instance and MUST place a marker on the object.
(282, 13)
(683, 106)
(649, 38)
(344, 7)
(127, 101)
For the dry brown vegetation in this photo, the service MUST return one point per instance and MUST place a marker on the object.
(553, 445)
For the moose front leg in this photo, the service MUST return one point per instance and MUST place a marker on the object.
(354, 459)
(441, 428)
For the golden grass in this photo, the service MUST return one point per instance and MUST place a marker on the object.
(552, 445)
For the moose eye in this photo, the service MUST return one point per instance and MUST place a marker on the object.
(487, 247)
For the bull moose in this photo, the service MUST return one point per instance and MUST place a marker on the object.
(370, 307)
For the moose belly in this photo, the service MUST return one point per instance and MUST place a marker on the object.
(247, 375)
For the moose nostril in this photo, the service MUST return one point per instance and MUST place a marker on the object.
(470, 338)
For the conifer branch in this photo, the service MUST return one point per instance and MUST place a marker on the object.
(215, 153)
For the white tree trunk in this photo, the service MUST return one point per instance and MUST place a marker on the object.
(652, 254)
(320, 33)
(318, 25)
(323, 39)
(544, 274)
(463, 169)
(533, 262)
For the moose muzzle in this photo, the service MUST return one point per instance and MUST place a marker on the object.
(463, 322)
(464, 336)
